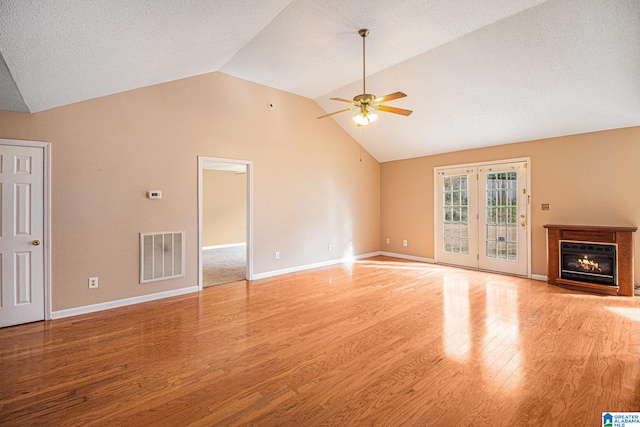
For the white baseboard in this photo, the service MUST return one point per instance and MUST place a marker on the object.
(228, 245)
(274, 273)
(539, 277)
(59, 314)
(409, 257)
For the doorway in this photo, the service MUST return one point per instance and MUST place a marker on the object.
(24, 232)
(225, 221)
(481, 216)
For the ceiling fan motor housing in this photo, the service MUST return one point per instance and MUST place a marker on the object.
(365, 98)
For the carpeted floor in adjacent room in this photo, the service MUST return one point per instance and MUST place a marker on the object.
(224, 265)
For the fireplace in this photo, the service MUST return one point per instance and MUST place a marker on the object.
(591, 258)
(588, 262)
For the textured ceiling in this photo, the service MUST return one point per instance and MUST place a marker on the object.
(477, 73)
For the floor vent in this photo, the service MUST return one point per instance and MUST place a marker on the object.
(161, 256)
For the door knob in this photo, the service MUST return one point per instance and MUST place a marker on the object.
(36, 243)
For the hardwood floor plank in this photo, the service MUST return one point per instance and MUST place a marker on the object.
(380, 342)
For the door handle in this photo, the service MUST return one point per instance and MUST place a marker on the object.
(36, 243)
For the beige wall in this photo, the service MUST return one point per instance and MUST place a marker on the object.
(587, 179)
(224, 207)
(313, 184)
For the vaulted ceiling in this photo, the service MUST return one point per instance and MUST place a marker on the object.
(477, 73)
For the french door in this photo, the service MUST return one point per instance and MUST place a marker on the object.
(481, 216)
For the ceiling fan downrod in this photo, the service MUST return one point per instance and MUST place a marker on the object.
(364, 33)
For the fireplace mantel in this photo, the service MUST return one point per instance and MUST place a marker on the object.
(620, 236)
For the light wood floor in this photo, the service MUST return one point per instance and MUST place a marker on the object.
(383, 342)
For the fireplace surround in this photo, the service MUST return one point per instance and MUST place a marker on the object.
(591, 258)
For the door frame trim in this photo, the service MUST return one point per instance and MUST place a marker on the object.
(202, 160)
(46, 273)
(436, 169)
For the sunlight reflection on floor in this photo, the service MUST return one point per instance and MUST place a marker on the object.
(400, 265)
(457, 333)
(628, 312)
(501, 349)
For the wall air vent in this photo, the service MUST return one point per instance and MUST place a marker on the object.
(161, 256)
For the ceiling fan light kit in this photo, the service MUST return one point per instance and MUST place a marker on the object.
(366, 101)
(364, 118)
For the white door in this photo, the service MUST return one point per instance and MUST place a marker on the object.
(481, 217)
(502, 193)
(21, 234)
(456, 213)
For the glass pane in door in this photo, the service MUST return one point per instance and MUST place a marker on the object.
(501, 237)
(455, 206)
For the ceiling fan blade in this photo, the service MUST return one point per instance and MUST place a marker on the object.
(344, 100)
(390, 97)
(335, 112)
(393, 110)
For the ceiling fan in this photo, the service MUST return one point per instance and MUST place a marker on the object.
(367, 102)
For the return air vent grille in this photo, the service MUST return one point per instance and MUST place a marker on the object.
(161, 256)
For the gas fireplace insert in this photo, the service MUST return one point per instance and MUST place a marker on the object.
(588, 262)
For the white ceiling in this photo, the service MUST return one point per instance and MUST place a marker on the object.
(477, 73)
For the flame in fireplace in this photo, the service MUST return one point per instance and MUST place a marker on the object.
(588, 264)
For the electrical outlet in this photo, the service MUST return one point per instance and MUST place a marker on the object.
(277, 255)
(404, 243)
(387, 240)
(93, 282)
(330, 247)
